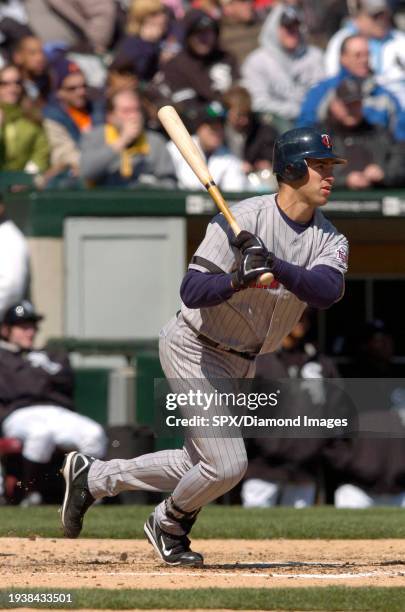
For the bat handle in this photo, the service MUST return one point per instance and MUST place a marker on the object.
(218, 198)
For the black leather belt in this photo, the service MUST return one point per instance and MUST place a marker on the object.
(213, 344)
(209, 342)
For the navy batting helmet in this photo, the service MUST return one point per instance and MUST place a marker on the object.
(293, 148)
(21, 311)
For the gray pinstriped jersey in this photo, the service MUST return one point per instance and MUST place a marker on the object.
(257, 319)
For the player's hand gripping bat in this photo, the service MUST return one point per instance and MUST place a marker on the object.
(177, 131)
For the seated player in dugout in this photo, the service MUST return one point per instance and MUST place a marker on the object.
(227, 319)
(36, 400)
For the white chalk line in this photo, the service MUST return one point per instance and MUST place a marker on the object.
(209, 574)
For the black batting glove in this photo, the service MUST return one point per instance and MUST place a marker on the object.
(246, 240)
(251, 266)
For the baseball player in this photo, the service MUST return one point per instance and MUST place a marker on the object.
(227, 318)
(36, 399)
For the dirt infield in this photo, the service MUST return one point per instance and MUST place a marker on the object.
(42, 562)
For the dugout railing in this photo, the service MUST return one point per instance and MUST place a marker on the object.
(373, 221)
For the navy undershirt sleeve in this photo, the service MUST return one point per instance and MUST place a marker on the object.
(203, 289)
(320, 287)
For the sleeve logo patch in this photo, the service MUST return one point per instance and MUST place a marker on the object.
(342, 255)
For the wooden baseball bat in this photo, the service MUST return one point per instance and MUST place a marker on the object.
(179, 134)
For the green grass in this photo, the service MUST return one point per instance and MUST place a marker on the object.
(217, 522)
(326, 598)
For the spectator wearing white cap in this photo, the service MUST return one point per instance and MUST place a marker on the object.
(372, 19)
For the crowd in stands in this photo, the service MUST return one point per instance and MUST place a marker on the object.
(75, 74)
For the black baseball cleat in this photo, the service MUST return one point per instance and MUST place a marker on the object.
(78, 498)
(172, 549)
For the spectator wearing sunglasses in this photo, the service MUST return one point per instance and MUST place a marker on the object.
(373, 19)
(23, 142)
(70, 114)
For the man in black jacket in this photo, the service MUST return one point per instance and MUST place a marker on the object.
(374, 159)
(201, 72)
(36, 398)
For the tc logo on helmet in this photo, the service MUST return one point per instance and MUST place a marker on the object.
(326, 141)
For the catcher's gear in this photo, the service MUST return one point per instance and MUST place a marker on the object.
(293, 148)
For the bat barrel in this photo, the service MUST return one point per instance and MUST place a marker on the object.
(174, 126)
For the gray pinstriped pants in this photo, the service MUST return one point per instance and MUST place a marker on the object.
(205, 468)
